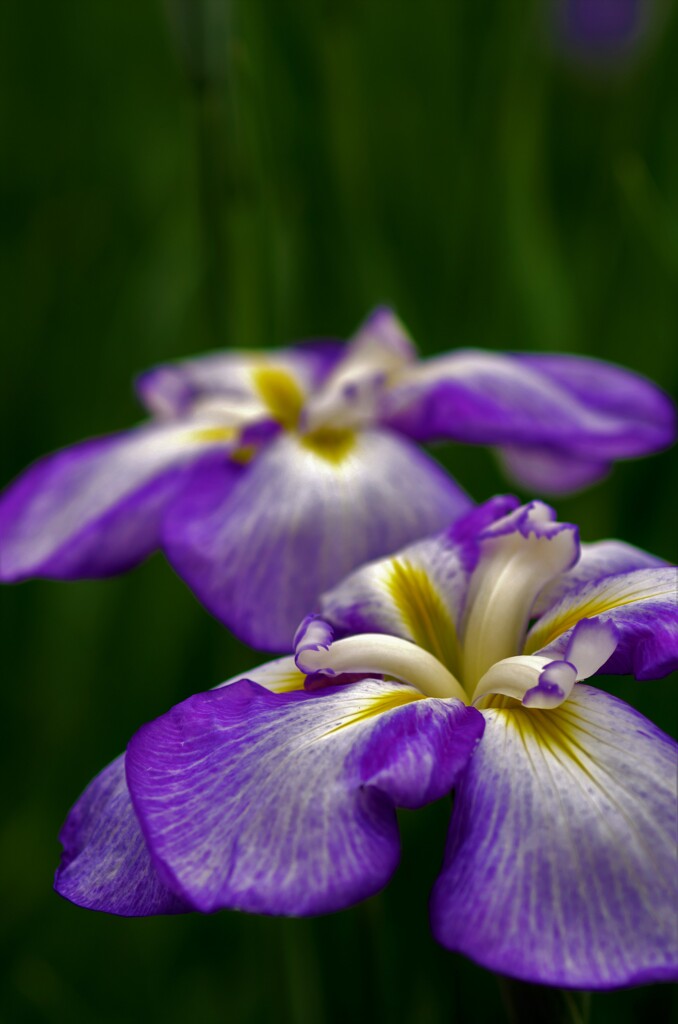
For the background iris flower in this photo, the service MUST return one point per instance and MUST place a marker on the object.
(277, 793)
(260, 473)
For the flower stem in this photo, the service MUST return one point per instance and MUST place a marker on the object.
(540, 1004)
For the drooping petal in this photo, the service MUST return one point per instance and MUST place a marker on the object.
(597, 560)
(105, 863)
(247, 379)
(299, 520)
(284, 803)
(549, 471)
(96, 508)
(561, 865)
(579, 408)
(643, 607)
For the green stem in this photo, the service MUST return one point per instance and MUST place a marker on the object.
(540, 1004)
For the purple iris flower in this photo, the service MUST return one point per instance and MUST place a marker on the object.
(261, 474)
(457, 663)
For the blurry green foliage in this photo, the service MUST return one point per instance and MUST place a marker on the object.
(179, 175)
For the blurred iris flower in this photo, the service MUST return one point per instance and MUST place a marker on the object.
(267, 476)
(276, 794)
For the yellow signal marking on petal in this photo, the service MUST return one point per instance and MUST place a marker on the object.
(549, 628)
(287, 683)
(333, 445)
(244, 455)
(280, 393)
(374, 706)
(207, 435)
(552, 730)
(423, 612)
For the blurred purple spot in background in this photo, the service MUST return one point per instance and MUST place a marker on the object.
(603, 28)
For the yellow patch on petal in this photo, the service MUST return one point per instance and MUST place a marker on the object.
(556, 731)
(214, 435)
(280, 393)
(370, 707)
(330, 444)
(616, 594)
(245, 454)
(423, 612)
(286, 682)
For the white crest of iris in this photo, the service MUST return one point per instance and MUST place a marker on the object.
(487, 658)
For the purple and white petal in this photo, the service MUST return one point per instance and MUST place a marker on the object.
(105, 864)
(549, 471)
(171, 389)
(96, 508)
(561, 864)
(284, 803)
(298, 521)
(597, 560)
(612, 390)
(279, 675)
(545, 401)
(642, 605)
(351, 394)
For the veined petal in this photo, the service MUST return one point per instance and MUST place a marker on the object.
(643, 607)
(543, 402)
(597, 560)
(284, 803)
(561, 862)
(245, 379)
(105, 863)
(96, 508)
(298, 521)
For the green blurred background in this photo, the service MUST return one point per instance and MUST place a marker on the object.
(181, 175)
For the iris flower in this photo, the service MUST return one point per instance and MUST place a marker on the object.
(456, 664)
(261, 474)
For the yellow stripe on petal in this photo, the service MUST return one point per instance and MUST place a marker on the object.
(423, 612)
(369, 707)
(333, 445)
(597, 600)
(280, 393)
(214, 435)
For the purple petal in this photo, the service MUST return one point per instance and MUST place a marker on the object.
(297, 523)
(549, 471)
(641, 605)
(172, 388)
(105, 863)
(603, 558)
(96, 508)
(561, 863)
(581, 409)
(284, 803)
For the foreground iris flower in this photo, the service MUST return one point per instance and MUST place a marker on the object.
(267, 477)
(277, 793)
